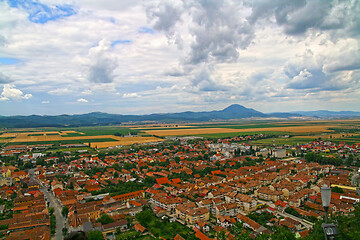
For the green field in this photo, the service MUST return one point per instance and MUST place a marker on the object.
(282, 141)
(236, 134)
(99, 130)
(64, 141)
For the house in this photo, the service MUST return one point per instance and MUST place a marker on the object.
(226, 209)
(110, 228)
(249, 223)
(203, 226)
(246, 202)
(190, 214)
(201, 236)
(267, 194)
(225, 221)
(178, 237)
(56, 184)
(139, 228)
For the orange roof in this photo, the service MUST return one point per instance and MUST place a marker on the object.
(139, 227)
(162, 180)
(176, 180)
(201, 236)
(178, 237)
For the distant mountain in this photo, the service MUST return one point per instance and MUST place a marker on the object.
(234, 111)
(328, 114)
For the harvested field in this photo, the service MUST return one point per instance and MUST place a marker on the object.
(199, 131)
(66, 132)
(125, 141)
(161, 127)
(106, 143)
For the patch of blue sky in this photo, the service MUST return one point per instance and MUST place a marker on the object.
(116, 42)
(41, 13)
(8, 61)
(146, 30)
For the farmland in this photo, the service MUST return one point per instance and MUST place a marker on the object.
(200, 131)
(110, 136)
(103, 136)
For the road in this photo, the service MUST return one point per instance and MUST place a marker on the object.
(270, 204)
(355, 182)
(60, 220)
(308, 226)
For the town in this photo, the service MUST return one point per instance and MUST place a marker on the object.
(180, 188)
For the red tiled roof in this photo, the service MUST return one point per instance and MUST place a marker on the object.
(162, 180)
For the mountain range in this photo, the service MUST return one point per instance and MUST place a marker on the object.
(234, 111)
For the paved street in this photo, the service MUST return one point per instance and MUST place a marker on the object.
(60, 220)
(308, 226)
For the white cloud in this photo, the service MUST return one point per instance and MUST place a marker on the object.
(195, 53)
(86, 92)
(130, 95)
(82, 100)
(10, 92)
(45, 102)
(61, 91)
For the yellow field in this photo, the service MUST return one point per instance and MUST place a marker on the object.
(66, 132)
(125, 141)
(24, 137)
(160, 126)
(198, 131)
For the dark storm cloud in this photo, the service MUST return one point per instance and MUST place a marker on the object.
(164, 15)
(217, 28)
(204, 82)
(100, 63)
(219, 32)
(102, 71)
(298, 16)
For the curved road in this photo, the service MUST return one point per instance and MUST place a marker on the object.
(355, 182)
(49, 196)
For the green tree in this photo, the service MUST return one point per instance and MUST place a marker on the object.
(221, 235)
(51, 210)
(65, 211)
(105, 219)
(282, 234)
(337, 189)
(95, 235)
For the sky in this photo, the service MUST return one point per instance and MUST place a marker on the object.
(141, 57)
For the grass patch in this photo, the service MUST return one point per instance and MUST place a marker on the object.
(72, 135)
(160, 228)
(282, 141)
(235, 134)
(104, 130)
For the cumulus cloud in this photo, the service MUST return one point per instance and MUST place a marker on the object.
(298, 16)
(183, 53)
(205, 82)
(100, 63)
(10, 92)
(82, 100)
(217, 30)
